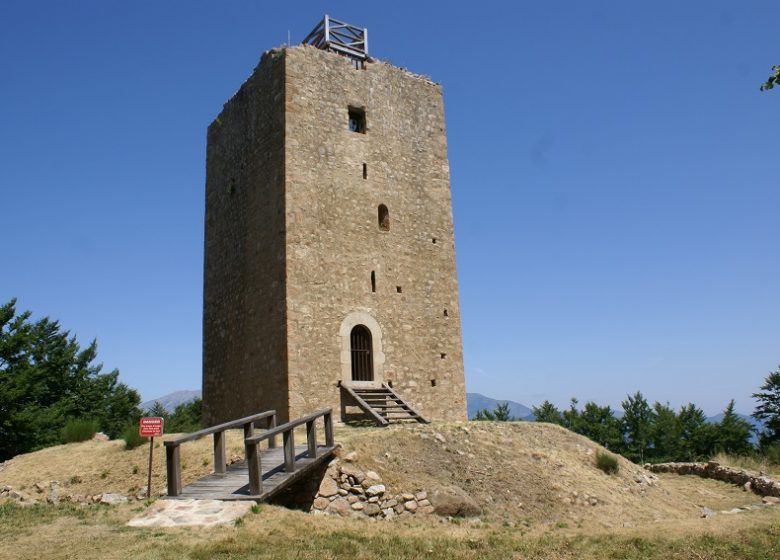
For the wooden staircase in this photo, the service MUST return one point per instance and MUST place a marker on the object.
(383, 405)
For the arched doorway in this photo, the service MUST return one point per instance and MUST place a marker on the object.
(361, 354)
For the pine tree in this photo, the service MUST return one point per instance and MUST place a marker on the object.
(500, 413)
(599, 424)
(768, 409)
(571, 417)
(547, 412)
(484, 414)
(697, 436)
(637, 423)
(665, 434)
(46, 378)
(733, 433)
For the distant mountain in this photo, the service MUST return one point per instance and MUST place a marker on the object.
(172, 400)
(475, 402)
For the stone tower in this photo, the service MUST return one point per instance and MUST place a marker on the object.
(329, 248)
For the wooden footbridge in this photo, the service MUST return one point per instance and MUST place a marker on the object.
(264, 472)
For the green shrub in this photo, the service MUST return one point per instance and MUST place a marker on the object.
(607, 462)
(78, 429)
(131, 437)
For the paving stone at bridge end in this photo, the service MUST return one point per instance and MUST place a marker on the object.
(181, 513)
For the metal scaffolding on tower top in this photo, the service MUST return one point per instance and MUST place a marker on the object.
(337, 36)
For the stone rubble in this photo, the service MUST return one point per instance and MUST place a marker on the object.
(346, 490)
(54, 493)
(757, 483)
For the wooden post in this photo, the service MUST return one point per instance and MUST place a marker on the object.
(255, 472)
(173, 467)
(219, 452)
(271, 423)
(289, 450)
(328, 417)
(249, 431)
(311, 439)
(149, 478)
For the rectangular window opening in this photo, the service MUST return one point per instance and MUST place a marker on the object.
(357, 120)
(373, 281)
(434, 240)
(443, 355)
(446, 314)
(398, 289)
(365, 171)
(433, 383)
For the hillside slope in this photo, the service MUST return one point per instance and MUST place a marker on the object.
(534, 473)
(521, 473)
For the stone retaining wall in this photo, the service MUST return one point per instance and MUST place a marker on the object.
(346, 490)
(758, 483)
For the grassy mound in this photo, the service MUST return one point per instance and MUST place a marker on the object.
(533, 473)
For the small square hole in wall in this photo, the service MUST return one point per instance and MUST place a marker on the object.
(434, 240)
(446, 314)
(357, 120)
(398, 289)
(443, 355)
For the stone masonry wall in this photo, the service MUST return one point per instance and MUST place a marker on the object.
(244, 325)
(334, 240)
(293, 236)
(757, 483)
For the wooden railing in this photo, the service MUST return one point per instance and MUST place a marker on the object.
(173, 455)
(287, 431)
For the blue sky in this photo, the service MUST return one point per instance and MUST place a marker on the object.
(614, 177)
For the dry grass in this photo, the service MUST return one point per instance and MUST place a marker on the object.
(534, 473)
(501, 465)
(754, 463)
(99, 533)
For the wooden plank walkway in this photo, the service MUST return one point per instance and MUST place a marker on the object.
(234, 483)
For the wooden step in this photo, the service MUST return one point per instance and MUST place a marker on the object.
(384, 405)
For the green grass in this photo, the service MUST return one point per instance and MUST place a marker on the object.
(607, 462)
(78, 429)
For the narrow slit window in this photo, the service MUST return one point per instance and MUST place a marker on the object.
(365, 171)
(383, 215)
(357, 120)
(373, 281)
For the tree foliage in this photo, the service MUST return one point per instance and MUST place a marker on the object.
(547, 412)
(654, 433)
(46, 378)
(773, 80)
(637, 420)
(185, 418)
(499, 414)
(733, 433)
(768, 409)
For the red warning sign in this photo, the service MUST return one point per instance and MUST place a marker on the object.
(150, 426)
